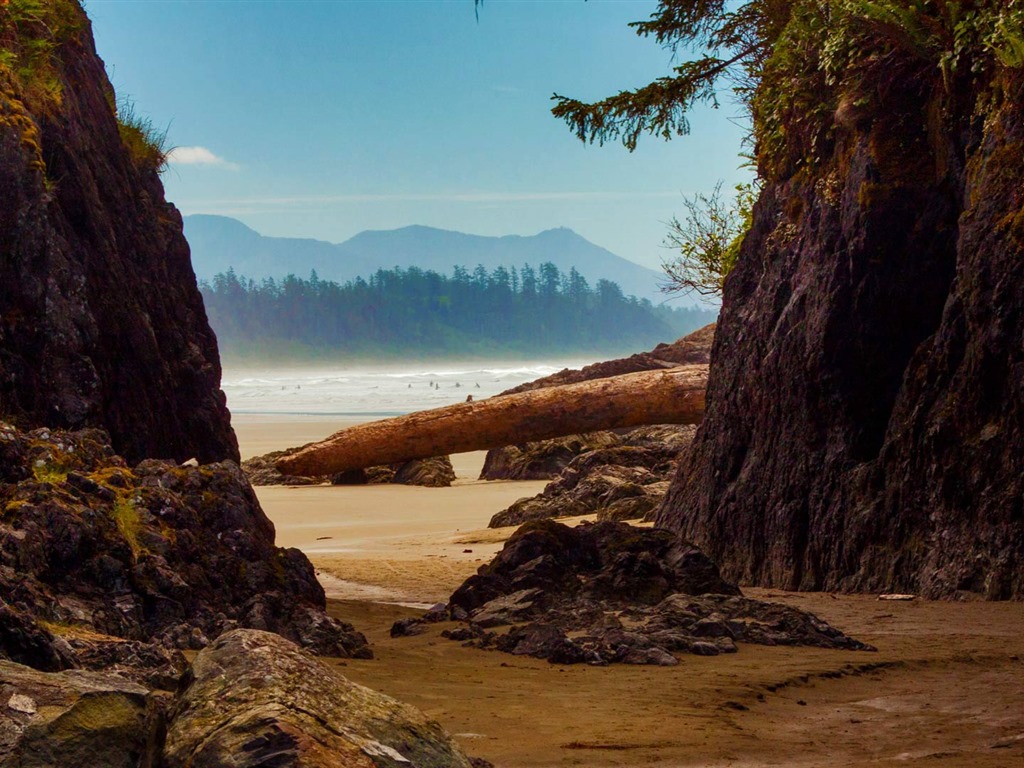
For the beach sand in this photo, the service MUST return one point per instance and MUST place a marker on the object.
(945, 688)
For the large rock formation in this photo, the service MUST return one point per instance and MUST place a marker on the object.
(101, 322)
(254, 699)
(103, 565)
(612, 593)
(866, 403)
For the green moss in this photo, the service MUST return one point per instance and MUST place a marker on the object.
(13, 114)
(1014, 224)
(114, 478)
(54, 474)
(832, 63)
(128, 522)
(12, 507)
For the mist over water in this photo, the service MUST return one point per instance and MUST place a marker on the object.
(375, 391)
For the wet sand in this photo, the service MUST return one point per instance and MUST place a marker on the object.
(945, 688)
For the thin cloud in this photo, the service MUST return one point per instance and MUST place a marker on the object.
(458, 197)
(198, 156)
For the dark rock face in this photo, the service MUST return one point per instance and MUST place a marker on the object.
(104, 565)
(436, 472)
(612, 593)
(101, 322)
(600, 560)
(866, 403)
(77, 719)
(254, 699)
(626, 480)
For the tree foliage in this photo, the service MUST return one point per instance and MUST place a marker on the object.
(787, 60)
(707, 241)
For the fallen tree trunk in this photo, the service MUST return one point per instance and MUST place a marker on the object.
(673, 396)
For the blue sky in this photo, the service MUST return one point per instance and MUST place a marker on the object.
(322, 118)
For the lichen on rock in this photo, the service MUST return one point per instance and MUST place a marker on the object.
(102, 564)
(254, 699)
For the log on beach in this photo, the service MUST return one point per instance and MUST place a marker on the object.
(672, 396)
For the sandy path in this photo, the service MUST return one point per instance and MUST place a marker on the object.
(420, 543)
(383, 542)
(946, 688)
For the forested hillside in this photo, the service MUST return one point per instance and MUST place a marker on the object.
(412, 311)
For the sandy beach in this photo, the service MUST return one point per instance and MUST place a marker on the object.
(945, 687)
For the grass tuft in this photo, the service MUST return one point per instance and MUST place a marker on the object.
(146, 144)
(128, 522)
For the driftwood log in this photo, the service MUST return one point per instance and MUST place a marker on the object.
(672, 396)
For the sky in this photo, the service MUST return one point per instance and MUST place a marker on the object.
(323, 118)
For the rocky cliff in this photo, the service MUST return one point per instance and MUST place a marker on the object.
(101, 322)
(865, 411)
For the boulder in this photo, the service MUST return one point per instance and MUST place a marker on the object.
(77, 719)
(624, 480)
(255, 699)
(436, 472)
(541, 460)
(260, 470)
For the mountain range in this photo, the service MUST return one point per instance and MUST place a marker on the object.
(219, 243)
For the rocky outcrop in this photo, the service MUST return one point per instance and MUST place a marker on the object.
(613, 593)
(436, 472)
(866, 402)
(541, 460)
(101, 321)
(626, 480)
(77, 719)
(254, 699)
(94, 553)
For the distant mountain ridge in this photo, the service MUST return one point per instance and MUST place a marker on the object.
(220, 242)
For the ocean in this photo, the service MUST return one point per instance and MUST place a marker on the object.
(367, 390)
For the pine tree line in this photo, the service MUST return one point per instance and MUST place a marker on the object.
(401, 311)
